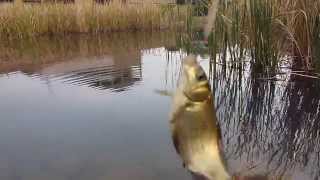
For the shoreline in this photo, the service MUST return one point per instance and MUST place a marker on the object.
(27, 20)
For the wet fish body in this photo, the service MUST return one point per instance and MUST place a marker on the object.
(193, 123)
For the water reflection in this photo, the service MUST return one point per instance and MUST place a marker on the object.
(56, 124)
(270, 126)
(101, 74)
(102, 62)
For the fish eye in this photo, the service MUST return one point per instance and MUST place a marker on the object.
(201, 76)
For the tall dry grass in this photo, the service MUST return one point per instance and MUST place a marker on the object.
(20, 19)
(301, 21)
(268, 29)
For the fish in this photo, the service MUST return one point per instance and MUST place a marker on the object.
(194, 128)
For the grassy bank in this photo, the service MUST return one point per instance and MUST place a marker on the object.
(267, 30)
(21, 20)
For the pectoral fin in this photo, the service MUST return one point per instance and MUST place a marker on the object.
(164, 92)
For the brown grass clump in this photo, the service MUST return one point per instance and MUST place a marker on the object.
(269, 29)
(21, 20)
(301, 17)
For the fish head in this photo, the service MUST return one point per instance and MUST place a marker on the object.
(194, 82)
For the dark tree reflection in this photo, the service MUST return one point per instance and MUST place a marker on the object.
(269, 121)
(269, 126)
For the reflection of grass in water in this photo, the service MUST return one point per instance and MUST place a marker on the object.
(276, 120)
(269, 124)
(20, 20)
(46, 49)
(272, 122)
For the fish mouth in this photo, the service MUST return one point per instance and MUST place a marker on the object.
(201, 92)
(203, 86)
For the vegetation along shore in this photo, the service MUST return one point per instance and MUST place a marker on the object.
(20, 19)
(267, 31)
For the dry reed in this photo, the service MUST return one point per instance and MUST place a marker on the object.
(21, 20)
(269, 29)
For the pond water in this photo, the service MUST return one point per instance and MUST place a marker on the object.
(86, 107)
